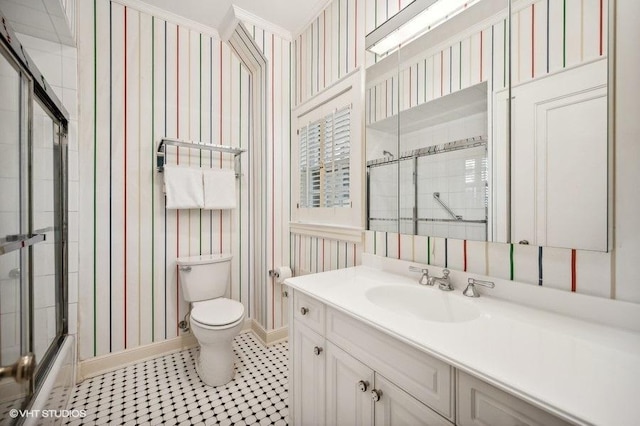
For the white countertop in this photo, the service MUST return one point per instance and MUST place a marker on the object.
(581, 371)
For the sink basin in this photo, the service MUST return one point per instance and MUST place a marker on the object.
(422, 303)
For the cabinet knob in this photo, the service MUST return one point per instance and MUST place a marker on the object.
(375, 395)
(317, 350)
(304, 310)
(362, 385)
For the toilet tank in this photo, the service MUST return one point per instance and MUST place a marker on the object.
(204, 277)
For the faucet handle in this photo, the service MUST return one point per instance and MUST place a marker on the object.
(483, 283)
(445, 273)
(471, 291)
(424, 279)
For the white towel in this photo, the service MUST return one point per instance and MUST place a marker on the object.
(183, 187)
(219, 189)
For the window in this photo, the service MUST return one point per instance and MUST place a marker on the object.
(324, 158)
(327, 169)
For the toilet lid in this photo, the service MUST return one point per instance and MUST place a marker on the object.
(217, 312)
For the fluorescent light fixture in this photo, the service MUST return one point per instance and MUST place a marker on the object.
(428, 19)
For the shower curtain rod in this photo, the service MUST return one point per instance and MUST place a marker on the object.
(431, 150)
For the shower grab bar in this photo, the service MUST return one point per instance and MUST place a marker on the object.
(164, 142)
(16, 242)
(436, 195)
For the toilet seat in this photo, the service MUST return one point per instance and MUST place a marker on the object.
(217, 313)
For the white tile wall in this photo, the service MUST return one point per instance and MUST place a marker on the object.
(459, 176)
(384, 199)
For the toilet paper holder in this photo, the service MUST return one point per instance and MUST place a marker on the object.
(280, 273)
(273, 273)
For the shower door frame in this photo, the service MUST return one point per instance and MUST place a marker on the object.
(36, 89)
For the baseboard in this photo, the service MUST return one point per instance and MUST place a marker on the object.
(269, 338)
(106, 363)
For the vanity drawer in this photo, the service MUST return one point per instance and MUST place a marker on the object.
(309, 311)
(481, 404)
(427, 379)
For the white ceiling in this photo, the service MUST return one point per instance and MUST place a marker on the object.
(43, 19)
(290, 15)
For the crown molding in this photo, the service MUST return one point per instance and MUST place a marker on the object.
(169, 16)
(250, 18)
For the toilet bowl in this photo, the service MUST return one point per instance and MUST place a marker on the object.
(215, 323)
(215, 320)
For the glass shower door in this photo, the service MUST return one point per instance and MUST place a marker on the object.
(47, 179)
(14, 239)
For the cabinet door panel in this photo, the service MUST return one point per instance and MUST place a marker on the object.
(426, 378)
(308, 376)
(396, 407)
(347, 403)
(559, 153)
(480, 404)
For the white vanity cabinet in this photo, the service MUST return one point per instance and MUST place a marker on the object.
(396, 407)
(348, 389)
(356, 395)
(308, 363)
(480, 404)
(308, 360)
(345, 371)
(352, 374)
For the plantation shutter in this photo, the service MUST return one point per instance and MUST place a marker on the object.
(324, 156)
(337, 158)
(310, 144)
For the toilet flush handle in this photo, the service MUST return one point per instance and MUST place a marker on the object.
(185, 268)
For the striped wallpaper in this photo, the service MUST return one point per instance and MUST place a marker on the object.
(276, 176)
(547, 36)
(143, 77)
(579, 271)
(380, 11)
(310, 254)
(329, 48)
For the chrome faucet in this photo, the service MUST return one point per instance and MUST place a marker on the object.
(444, 283)
(471, 290)
(424, 279)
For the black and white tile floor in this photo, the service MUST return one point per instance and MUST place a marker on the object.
(167, 391)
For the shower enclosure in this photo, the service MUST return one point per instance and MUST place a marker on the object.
(33, 236)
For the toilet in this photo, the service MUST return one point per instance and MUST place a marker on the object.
(215, 320)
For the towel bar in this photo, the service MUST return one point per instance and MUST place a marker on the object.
(162, 151)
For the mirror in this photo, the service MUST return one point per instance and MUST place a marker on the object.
(451, 154)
